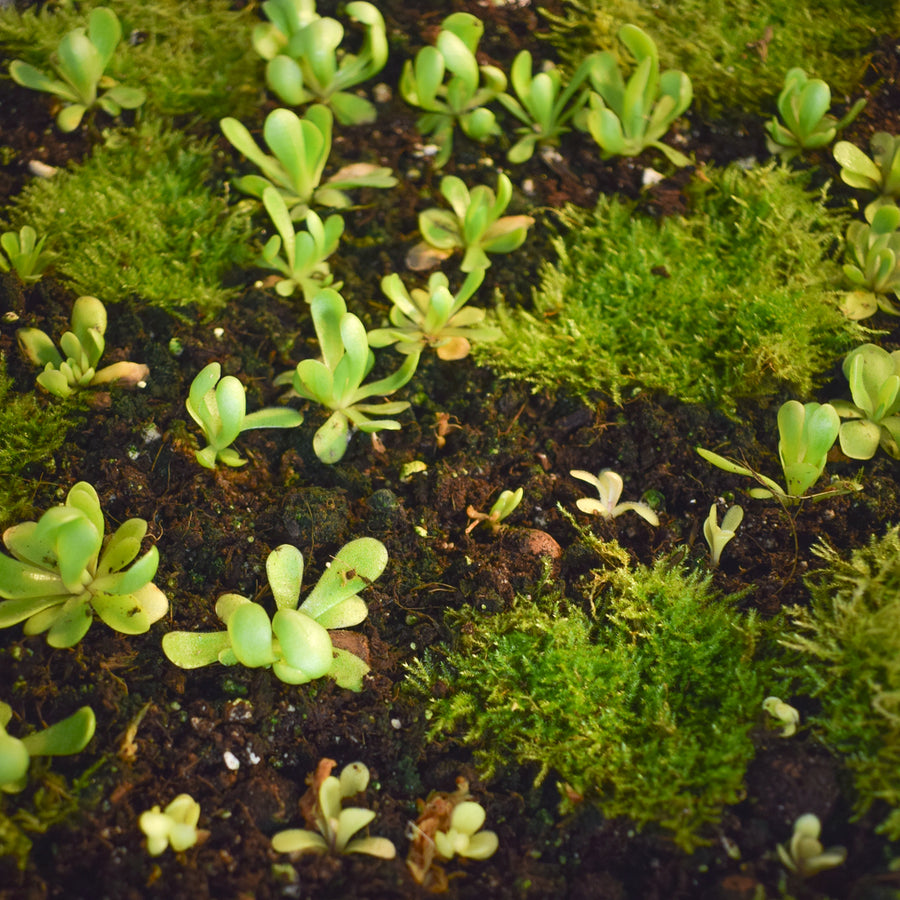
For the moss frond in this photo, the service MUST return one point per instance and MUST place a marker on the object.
(644, 709)
(160, 226)
(850, 653)
(731, 300)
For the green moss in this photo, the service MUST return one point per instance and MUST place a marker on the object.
(191, 58)
(30, 435)
(644, 708)
(159, 227)
(850, 646)
(725, 47)
(731, 300)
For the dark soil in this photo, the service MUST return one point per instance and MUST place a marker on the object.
(214, 530)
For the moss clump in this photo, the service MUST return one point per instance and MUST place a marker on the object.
(850, 644)
(644, 708)
(30, 434)
(159, 225)
(730, 300)
(736, 52)
(191, 58)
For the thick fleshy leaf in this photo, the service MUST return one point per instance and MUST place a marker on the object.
(298, 840)
(284, 78)
(330, 441)
(350, 821)
(71, 625)
(355, 566)
(68, 736)
(284, 569)
(305, 644)
(104, 32)
(858, 438)
(14, 761)
(80, 64)
(191, 651)
(14, 611)
(250, 632)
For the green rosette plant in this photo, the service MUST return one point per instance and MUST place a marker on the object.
(24, 254)
(433, 318)
(807, 431)
(295, 641)
(873, 263)
(625, 118)
(219, 407)
(476, 225)
(80, 61)
(300, 149)
(62, 573)
(879, 175)
(336, 381)
(803, 106)
(64, 738)
(873, 416)
(460, 99)
(83, 347)
(305, 61)
(300, 256)
(543, 104)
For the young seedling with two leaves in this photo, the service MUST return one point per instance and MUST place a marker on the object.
(24, 254)
(433, 318)
(542, 104)
(336, 381)
(807, 432)
(83, 346)
(175, 826)
(873, 263)
(716, 535)
(219, 407)
(305, 61)
(461, 100)
(80, 61)
(879, 175)
(873, 416)
(64, 738)
(62, 573)
(803, 105)
(502, 508)
(295, 642)
(625, 118)
(804, 855)
(300, 149)
(476, 226)
(323, 809)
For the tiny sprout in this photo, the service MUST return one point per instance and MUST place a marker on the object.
(176, 826)
(786, 714)
(504, 505)
(804, 855)
(717, 536)
(609, 486)
(464, 837)
(335, 826)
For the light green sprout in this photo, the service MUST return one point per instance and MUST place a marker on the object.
(24, 253)
(336, 824)
(80, 61)
(175, 826)
(503, 506)
(219, 407)
(786, 714)
(83, 347)
(465, 837)
(717, 536)
(476, 226)
(609, 486)
(804, 855)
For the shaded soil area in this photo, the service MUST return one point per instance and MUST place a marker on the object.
(241, 742)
